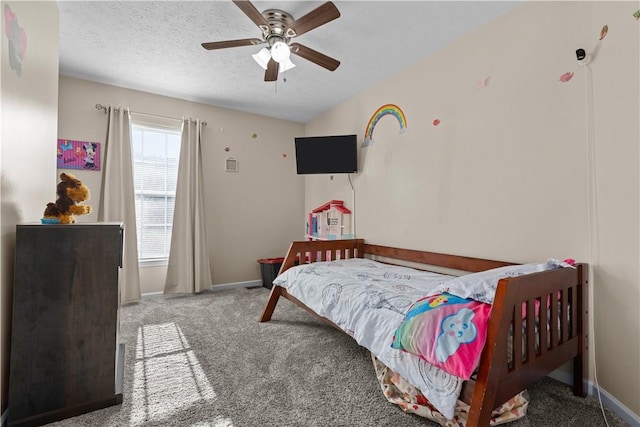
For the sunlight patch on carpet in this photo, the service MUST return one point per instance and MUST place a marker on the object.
(167, 376)
(217, 422)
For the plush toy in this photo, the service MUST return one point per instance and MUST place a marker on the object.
(71, 193)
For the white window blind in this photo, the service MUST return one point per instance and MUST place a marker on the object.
(155, 154)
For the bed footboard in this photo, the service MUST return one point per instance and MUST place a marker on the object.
(547, 313)
(304, 252)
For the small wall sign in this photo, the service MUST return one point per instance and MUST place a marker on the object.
(78, 155)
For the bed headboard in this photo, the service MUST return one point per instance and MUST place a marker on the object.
(455, 262)
(313, 251)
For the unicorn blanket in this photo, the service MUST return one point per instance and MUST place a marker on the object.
(447, 331)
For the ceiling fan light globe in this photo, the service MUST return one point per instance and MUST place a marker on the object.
(285, 65)
(262, 57)
(280, 52)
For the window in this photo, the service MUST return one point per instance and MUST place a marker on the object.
(155, 154)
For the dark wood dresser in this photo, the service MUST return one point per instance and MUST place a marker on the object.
(65, 355)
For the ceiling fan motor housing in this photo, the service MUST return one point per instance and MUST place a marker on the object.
(278, 21)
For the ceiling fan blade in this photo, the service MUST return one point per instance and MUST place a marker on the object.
(314, 56)
(271, 75)
(318, 16)
(231, 43)
(254, 14)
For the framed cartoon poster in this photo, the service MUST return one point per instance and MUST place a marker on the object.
(78, 155)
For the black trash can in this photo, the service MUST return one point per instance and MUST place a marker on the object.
(269, 268)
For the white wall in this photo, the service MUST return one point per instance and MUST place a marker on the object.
(251, 214)
(505, 175)
(29, 107)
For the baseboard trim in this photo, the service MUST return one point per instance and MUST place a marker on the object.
(607, 399)
(564, 377)
(120, 369)
(216, 288)
(152, 294)
(236, 285)
(615, 405)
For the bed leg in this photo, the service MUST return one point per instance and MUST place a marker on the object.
(480, 410)
(269, 308)
(579, 377)
(494, 356)
(581, 361)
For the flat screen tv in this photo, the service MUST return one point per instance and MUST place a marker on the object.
(326, 154)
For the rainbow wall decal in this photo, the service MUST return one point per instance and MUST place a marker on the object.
(381, 112)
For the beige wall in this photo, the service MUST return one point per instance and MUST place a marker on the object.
(505, 175)
(251, 214)
(29, 107)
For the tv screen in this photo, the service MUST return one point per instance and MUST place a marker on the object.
(327, 154)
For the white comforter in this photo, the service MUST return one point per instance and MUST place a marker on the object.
(369, 300)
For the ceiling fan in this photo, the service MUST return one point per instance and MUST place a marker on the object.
(278, 28)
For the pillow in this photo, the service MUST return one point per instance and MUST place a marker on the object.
(482, 286)
(446, 331)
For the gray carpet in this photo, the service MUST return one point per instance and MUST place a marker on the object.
(206, 361)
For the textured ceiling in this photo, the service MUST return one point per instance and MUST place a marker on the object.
(154, 46)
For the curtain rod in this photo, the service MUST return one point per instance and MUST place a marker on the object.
(104, 107)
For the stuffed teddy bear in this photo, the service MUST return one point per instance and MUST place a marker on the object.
(71, 193)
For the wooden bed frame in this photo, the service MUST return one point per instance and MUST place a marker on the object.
(498, 380)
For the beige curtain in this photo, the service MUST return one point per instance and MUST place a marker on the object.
(117, 200)
(189, 270)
